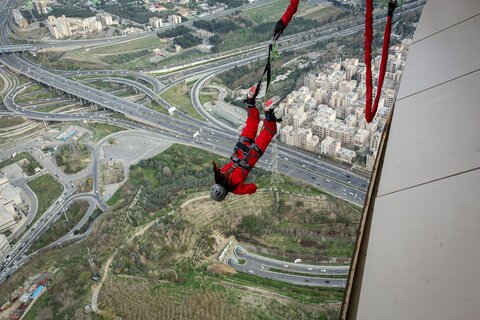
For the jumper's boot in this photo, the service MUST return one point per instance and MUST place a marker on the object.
(251, 97)
(270, 107)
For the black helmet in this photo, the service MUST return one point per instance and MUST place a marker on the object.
(218, 192)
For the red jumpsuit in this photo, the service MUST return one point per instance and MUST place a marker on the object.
(239, 174)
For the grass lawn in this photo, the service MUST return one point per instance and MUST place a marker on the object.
(155, 106)
(102, 130)
(323, 13)
(149, 42)
(48, 108)
(204, 98)
(129, 58)
(29, 169)
(6, 122)
(62, 226)
(39, 96)
(273, 11)
(179, 96)
(47, 190)
(270, 12)
(32, 88)
(185, 55)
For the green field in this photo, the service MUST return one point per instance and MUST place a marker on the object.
(273, 11)
(47, 190)
(323, 14)
(48, 108)
(101, 130)
(39, 96)
(179, 96)
(31, 88)
(155, 106)
(270, 12)
(6, 122)
(149, 42)
(182, 56)
(204, 98)
(126, 58)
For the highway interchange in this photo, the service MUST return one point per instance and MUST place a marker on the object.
(214, 135)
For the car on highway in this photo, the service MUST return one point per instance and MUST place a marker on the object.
(285, 265)
(323, 270)
(309, 269)
(250, 271)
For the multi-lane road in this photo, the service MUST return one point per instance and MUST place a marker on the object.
(340, 182)
(301, 274)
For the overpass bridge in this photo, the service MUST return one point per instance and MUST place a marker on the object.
(18, 48)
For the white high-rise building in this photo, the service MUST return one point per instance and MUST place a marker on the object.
(286, 135)
(361, 138)
(59, 28)
(156, 22)
(299, 118)
(371, 160)
(346, 155)
(9, 195)
(41, 6)
(105, 19)
(174, 19)
(313, 142)
(7, 220)
(300, 137)
(330, 146)
(4, 247)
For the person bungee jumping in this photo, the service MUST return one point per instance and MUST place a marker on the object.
(249, 148)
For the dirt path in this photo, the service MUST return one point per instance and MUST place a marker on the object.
(98, 287)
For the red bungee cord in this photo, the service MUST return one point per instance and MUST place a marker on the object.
(392, 4)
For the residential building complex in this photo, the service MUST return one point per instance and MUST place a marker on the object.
(326, 115)
(63, 27)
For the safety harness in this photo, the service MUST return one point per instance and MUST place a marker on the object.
(246, 150)
(370, 110)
